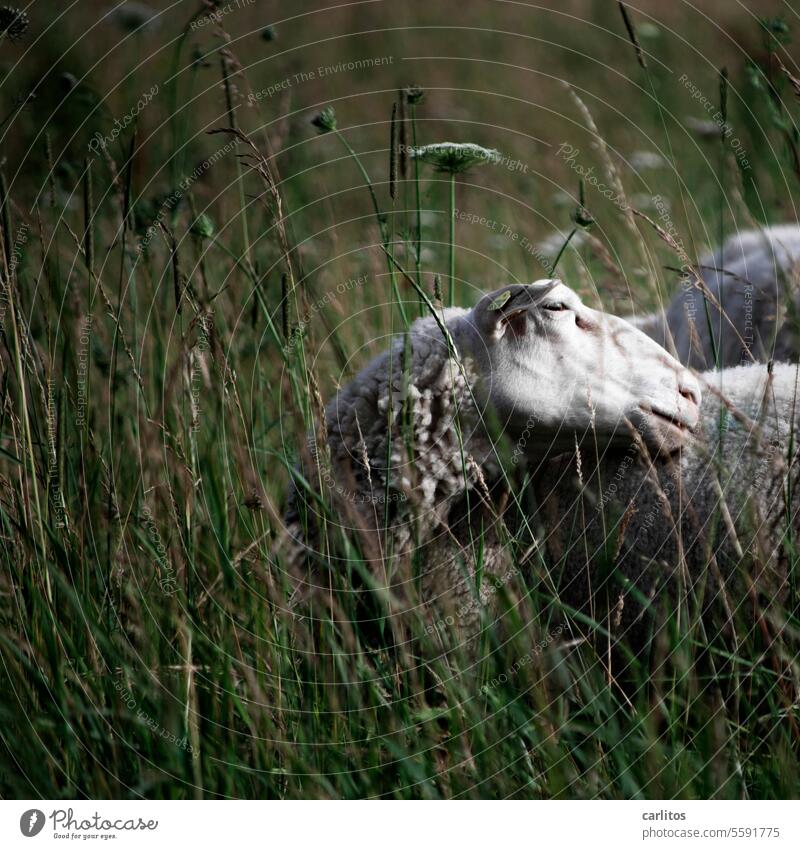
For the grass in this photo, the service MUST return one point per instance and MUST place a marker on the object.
(155, 402)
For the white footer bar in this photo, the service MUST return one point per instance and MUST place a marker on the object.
(400, 825)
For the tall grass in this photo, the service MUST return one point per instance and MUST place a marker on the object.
(161, 374)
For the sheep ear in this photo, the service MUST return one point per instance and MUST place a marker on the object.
(515, 321)
(504, 312)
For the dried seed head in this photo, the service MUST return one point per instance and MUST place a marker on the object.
(254, 501)
(620, 606)
(582, 217)
(14, 23)
(402, 135)
(437, 287)
(67, 81)
(794, 82)
(285, 306)
(414, 94)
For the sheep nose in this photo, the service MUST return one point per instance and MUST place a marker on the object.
(689, 388)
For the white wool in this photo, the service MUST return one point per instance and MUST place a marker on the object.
(754, 277)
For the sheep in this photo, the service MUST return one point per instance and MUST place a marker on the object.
(415, 432)
(689, 493)
(753, 277)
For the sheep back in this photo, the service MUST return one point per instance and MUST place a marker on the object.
(753, 276)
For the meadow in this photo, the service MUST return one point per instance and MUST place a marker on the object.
(210, 221)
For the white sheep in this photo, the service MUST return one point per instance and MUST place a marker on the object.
(605, 419)
(753, 278)
(412, 434)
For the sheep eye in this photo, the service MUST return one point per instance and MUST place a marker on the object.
(555, 307)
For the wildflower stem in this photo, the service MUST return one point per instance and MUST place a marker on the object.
(418, 198)
(385, 241)
(367, 180)
(563, 248)
(454, 158)
(452, 210)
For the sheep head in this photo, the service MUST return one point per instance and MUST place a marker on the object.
(556, 368)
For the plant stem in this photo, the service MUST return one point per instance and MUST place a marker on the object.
(368, 182)
(418, 197)
(563, 248)
(452, 287)
(381, 224)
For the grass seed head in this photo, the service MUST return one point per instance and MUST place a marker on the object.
(393, 153)
(325, 121)
(202, 226)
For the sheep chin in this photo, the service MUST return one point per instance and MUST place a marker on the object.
(663, 435)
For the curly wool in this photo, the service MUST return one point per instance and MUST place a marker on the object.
(402, 446)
